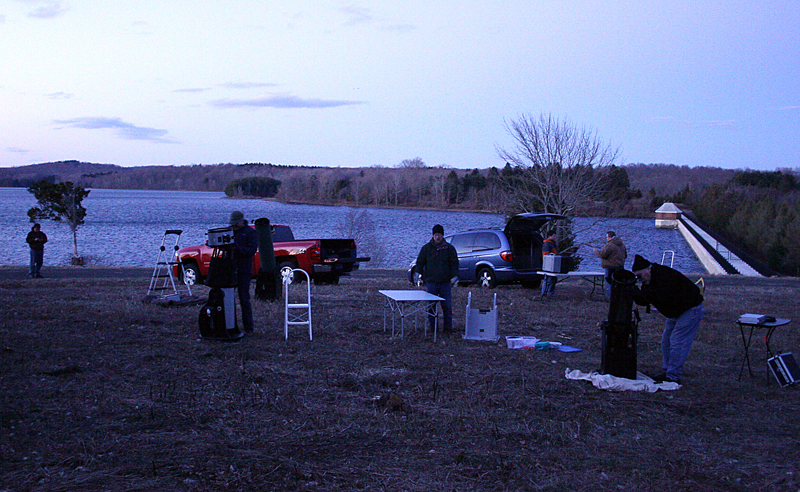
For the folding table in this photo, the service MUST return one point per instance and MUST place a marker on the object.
(747, 339)
(595, 278)
(408, 303)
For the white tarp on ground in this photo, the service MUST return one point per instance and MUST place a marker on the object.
(614, 383)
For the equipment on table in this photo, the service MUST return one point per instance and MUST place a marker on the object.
(557, 263)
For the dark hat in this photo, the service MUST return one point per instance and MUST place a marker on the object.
(639, 263)
(438, 228)
(236, 217)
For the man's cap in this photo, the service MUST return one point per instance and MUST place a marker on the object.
(639, 263)
(236, 217)
(438, 228)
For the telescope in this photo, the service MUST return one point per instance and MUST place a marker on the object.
(620, 330)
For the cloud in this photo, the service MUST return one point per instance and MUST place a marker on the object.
(17, 150)
(245, 85)
(281, 101)
(192, 89)
(125, 130)
(48, 10)
(59, 95)
(356, 15)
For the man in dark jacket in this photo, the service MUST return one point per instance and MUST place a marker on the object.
(245, 245)
(437, 263)
(680, 300)
(36, 239)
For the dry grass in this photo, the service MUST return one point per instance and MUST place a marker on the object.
(101, 392)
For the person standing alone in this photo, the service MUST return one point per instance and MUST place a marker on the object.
(549, 248)
(245, 245)
(612, 258)
(437, 263)
(36, 239)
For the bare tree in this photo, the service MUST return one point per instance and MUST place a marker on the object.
(415, 163)
(556, 164)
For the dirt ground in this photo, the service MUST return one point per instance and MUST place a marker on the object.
(102, 392)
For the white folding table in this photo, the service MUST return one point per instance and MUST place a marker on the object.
(408, 303)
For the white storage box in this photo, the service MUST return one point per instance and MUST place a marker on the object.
(556, 263)
(752, 319)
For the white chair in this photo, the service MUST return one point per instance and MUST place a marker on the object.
(296, 313)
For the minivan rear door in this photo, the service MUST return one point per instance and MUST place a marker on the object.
(523, 233)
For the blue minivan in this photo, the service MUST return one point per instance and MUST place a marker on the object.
(493, 256)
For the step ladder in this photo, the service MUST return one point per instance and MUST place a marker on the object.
(296, 313)
(163, 283)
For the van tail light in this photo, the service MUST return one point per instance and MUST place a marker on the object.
(506, 256)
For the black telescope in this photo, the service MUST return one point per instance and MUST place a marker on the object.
(620, 329)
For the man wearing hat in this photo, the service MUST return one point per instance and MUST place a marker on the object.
(437, 263)
(680, 300)
(245, 245)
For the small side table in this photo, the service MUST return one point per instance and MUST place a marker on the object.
(407, 303)
(747, 339)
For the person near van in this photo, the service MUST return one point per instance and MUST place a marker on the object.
(680, 300)
(612, 258)
(36, 239)
(549, 248)
(437, 263)
(245, 245)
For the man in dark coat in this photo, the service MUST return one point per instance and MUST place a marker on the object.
(245, 245)
(36, 239)
(437, 263)
(680, 300)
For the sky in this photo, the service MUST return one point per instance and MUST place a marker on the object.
(363, 83)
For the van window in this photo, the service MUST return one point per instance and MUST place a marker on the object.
(463, 242)
(485, 241)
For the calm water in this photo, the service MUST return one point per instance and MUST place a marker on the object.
(125, 228)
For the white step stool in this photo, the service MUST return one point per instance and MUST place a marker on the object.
(481, 324)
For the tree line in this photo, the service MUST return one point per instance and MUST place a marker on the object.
(553, 166)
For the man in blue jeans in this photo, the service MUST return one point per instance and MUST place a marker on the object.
(437, 263)
(680, 300)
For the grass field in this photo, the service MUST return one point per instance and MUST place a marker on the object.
(102, 392)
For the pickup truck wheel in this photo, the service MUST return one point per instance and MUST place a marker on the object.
(192, 275)
(286, 268)
(486, 278)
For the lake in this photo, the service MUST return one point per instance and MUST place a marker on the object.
(125, 228)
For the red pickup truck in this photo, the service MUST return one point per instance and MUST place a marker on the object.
(325, 260)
